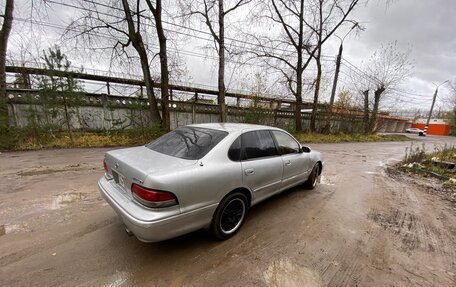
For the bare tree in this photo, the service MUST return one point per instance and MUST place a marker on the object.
(4, 35)
(365, 94)
(213, 14)
(305, 27)
(383, 72)
(122, 27)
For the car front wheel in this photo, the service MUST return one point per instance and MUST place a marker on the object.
(229, 216)
(312, 181)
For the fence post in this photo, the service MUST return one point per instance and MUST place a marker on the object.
(104, 102)
(195, 99)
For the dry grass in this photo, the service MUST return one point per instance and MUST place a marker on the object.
(338, 138)
(417, 160)
(133, 137)
(89, 139)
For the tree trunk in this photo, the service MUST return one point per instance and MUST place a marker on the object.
(366, 111)
(66, 108)
(221, 71)
(137, 42)
(373, 119)
(67, 117)
(298, 116)
(156, 118)
(313, 117)
(4, 35)
(299, 71)
(164, 73)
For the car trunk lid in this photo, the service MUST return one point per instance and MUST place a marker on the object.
(133, 165)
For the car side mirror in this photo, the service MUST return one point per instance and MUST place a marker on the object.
(305, 149)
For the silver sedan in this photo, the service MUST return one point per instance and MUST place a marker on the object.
(414, 131)
(203, 176)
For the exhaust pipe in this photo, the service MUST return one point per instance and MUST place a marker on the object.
(129, 233)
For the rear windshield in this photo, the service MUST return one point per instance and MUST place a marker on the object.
(187, 142)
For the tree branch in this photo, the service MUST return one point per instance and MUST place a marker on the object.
(237, 5)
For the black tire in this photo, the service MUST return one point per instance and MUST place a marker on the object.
(229, 216)
(312, 181)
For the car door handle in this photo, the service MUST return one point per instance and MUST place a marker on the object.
(287, 162)
(249, 171)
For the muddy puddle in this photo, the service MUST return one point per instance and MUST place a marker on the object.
(46, 170)
(327, 180)
(285, 273)
(65, 199)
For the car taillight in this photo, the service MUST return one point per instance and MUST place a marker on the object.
(105, 165)
(153, 198)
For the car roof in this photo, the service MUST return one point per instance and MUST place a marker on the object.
(233, 127)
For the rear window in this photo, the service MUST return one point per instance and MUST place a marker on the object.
(187, 142)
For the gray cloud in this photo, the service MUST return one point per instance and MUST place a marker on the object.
(427, 27)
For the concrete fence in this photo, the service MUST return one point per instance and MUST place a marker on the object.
(109, 112)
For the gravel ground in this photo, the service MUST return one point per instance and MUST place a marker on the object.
(359, 227)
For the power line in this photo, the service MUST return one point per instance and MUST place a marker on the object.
(151, 25)
(111, 37)
(348, 63)
(172, 24)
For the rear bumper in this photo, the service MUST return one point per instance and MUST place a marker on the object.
(149, 225)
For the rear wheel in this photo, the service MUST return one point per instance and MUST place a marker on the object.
(312, 181)
(229, 216)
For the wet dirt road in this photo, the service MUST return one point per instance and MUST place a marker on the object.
(359, 227)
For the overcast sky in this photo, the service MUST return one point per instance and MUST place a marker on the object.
(425, 27)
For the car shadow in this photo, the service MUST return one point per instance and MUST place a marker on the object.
(203, 238)
(146, 260)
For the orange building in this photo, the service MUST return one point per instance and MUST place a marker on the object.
(436, 126)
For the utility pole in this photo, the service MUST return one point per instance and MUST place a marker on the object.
(432, 107)
(327, 128)
(339, 58)
(336, 76)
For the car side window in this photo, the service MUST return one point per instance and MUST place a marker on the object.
(234, 153)
(257, 144)
(286, 143)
